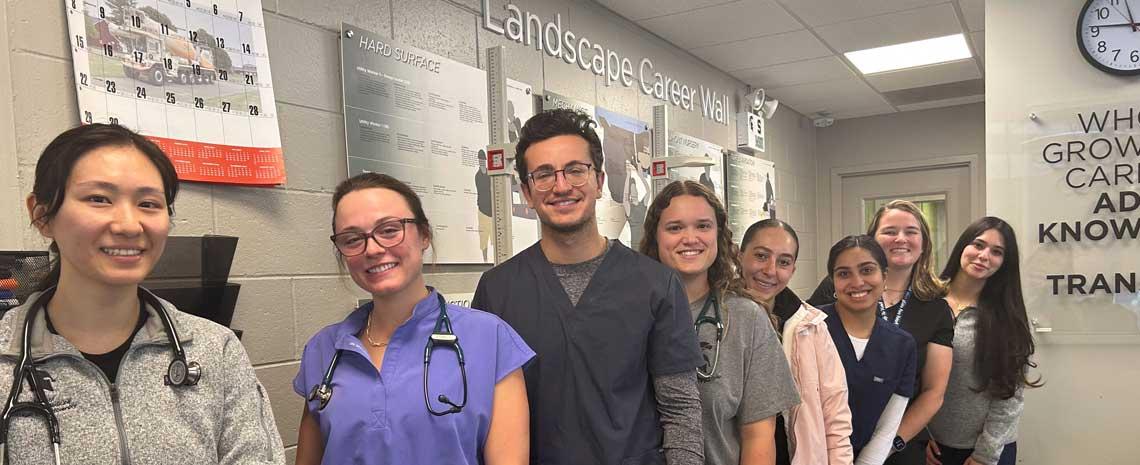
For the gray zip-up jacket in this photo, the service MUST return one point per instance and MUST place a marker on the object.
(974, 420)
(224, 419)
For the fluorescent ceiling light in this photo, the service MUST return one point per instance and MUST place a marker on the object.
(910, 54)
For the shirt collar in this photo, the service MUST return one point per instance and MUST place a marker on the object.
(354, 323)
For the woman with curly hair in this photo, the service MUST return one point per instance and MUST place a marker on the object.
(745, 381)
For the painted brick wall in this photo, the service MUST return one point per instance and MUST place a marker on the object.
(290, 282)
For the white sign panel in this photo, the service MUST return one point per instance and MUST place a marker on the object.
(520, 107)
(422, 118)
(751, 191)
(709, 171)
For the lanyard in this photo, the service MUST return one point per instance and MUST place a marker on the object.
(902, 306)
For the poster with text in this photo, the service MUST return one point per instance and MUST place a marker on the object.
(612, 212)
(524, 220)
(191, 76)
(751, 191)
(422, 119)
(709, 171)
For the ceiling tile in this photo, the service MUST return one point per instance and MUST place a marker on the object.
(831, 96)
(800, 72)
(924, 76)
(975, 13)
(821, 12)
(719, 24)
(895, 28)
(643, 9)
(764, 51)
(979, 41)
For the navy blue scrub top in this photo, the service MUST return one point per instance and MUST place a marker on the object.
(887, 367)
(590, 386)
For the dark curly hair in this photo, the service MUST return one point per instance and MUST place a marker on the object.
(554, 123)
(723, 275)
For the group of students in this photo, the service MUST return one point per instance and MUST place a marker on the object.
(690, 350)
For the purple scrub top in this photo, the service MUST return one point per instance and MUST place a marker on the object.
(380, 417)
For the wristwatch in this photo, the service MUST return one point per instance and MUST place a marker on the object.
(899, 444)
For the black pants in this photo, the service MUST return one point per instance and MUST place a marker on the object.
(953, 456)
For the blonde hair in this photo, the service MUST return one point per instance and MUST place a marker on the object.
(923, 282)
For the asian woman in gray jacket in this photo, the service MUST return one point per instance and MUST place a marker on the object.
(98, 369)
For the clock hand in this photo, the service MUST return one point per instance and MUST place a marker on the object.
(1130, 20)
(1129, 16)
(1114, 25)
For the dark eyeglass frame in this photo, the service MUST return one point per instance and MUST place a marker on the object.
(554, 174)
(404, 222)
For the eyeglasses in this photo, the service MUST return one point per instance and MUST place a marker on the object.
(387, 234)
(576, 174)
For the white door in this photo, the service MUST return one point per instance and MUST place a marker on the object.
(943, 191)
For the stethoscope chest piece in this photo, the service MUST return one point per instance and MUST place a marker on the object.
(180, 373)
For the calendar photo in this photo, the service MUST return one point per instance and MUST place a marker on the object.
(193, 76)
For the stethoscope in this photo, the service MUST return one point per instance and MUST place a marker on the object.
(442, 335)
(178, 373)
(715, 320)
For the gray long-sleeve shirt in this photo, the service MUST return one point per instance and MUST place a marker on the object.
(969, 419)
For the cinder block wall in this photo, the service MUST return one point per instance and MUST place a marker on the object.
(291, 286)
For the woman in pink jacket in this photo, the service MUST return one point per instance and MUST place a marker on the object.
(819, 428)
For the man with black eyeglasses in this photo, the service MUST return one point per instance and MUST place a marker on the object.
(614, 382)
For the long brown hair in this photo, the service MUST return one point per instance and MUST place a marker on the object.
(1004, 344)
(923, 282)
(724, 276)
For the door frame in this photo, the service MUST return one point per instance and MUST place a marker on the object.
(972, 162)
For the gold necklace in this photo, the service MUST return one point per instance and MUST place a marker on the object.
(368, 333)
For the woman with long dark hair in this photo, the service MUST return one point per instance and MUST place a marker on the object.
(745, 381)
(993, 347)
(912, 300)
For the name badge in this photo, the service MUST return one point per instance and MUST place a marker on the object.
(877, 380)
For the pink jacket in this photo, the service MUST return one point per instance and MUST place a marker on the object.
(819, 428)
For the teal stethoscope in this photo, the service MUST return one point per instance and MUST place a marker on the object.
(442, 335)
(708, 371)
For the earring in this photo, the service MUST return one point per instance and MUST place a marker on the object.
(835, 295)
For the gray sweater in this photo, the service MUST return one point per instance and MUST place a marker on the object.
(224, 419)
(969, 419)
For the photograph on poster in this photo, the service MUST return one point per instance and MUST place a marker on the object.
(524, 220)
(422, 118)
(193, 77)
(612, 214)
(710, 172)
(626, 145)
(751, 190)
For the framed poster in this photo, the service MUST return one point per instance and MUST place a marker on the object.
(193, 76)
(751, 191)
(704, 162)
(422, 119)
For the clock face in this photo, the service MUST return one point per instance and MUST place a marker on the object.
(1108, 34)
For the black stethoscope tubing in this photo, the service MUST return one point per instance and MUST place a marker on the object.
(442, 335)
(718, 323)
(178, 373)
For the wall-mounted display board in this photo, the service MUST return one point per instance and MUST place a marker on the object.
(421, 118)
(612, 209)
(628, 192)
(709, 171)
(751, 190)
(524, 220)
(1071, 194)
(193, 76)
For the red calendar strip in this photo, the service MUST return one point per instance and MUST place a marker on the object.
(196, 161)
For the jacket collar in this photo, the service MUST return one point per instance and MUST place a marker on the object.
(44, 343)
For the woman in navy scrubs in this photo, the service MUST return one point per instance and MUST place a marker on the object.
(878, 357)
(978, 423)
(912, 299)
